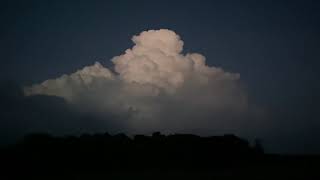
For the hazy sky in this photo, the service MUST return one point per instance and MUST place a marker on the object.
(273, 45)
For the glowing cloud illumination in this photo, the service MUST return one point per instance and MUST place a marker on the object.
(154, 87)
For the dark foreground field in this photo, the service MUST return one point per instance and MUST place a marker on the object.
(102, 156)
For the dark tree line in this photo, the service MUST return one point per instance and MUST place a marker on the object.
(103, 155)
(43, 153)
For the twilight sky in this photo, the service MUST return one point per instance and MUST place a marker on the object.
(274, 46)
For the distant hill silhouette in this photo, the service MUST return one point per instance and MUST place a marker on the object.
(44, 155)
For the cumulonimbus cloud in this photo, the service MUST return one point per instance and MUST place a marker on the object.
(154, 86)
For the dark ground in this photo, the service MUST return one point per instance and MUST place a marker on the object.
(102, 156)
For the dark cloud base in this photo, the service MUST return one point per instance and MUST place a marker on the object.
(21, 115)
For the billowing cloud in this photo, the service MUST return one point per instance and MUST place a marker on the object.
(154, 86)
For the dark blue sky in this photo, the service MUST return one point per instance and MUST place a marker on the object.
(274, 45)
